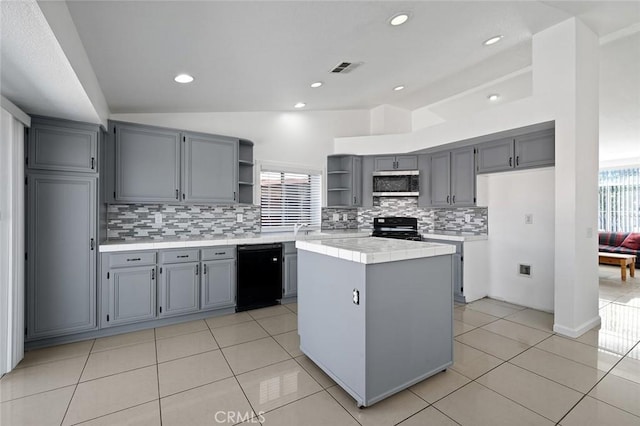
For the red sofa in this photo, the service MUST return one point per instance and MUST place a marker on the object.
(620, 242)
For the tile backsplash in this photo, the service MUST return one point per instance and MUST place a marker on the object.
(130, 222)
(429, 219)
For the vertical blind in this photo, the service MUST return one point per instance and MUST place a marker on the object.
(289, 198)
(619, 200)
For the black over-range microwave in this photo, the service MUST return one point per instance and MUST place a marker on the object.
(396, 183)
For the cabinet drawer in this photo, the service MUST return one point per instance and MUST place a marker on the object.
(179, 256)
(215, 253)
(132, 259)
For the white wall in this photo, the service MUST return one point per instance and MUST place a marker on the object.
(301, 138)
(509, 196)
(388, 119)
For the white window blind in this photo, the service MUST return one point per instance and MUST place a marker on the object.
(619, 200)
(290, 198)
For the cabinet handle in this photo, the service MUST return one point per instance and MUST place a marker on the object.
(133, 259)
(234, 195)
(92, 243)
(153, 274)
(197, 269)
(454, 199)
(219, 253)
(510, 161)
(356, 297)
(182, 256)
(93, 163)
(354, 200)
(204, 269)
(183, 196)
(517, 160)
(448, 198)
(177, 194)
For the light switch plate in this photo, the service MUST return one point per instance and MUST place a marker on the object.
(239, 218)
(336, 217)
(528, 219)
(158, 218)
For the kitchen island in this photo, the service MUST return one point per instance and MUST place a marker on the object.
(376, 314)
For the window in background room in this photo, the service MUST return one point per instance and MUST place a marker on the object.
(290, 198)
(619, 200)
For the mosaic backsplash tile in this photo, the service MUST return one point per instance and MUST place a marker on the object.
(130, 222)
(429, 219)
(329, 224)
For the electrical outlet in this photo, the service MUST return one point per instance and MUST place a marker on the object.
(158, 218)
(467, 218)
(336, 217)
(345, 217)
(528, 219)
(239, 218)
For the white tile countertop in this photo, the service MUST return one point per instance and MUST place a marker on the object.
(264, 238)
(375, 250)
(455, 236)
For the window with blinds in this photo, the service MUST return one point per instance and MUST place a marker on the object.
(290, 198)
(619, 200)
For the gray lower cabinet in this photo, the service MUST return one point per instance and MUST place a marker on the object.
(453, 178)
(290, 272)
(61, 261)
(218, 284)
(62, 145)
(131, 295)
(536, 149)
(147, 163)
(209, 168)
(179, 289)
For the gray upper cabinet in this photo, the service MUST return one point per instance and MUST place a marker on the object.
(131, 295)
(218, 284)
(61, 261)
(63, 146)
(147, 161)
(453, 178)
(424, 166)
(440, 179)
(495, 156)
(397, 162)
(463, 177)
(209, 168)
(535, 149)
(179, 289)
(344, 181)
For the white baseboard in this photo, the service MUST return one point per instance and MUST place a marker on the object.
(578, 331)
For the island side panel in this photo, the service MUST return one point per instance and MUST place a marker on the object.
(409, 323)
(330, 325)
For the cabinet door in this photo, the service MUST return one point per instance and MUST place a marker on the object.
(495, 156)
(384, 163)
(179, 286)
(62, 148)
(440, 179)
(463, 177)
(424, 166)
(209, 168)
(61, 275)
(132, 295)
(356, 181)
(367, 181)
(407, 162)
(536, 149)
(147, 164)
(290, 275)
(218, 289)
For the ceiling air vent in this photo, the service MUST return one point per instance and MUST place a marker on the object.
(345, 67)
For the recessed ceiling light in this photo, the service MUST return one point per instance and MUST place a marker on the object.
(399, 19)
(183, 78)
(300, 105)
(397, 88)
(493, 97)
(316, 84)
(492, 40)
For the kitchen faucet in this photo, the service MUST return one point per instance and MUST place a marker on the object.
(297, 227)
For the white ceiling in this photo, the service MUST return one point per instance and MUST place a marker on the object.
(262, 55)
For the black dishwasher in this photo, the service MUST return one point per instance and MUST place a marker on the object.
(259, 276)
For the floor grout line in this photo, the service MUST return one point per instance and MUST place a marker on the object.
(155, 343)
(66, 411)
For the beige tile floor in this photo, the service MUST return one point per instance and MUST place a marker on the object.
(509, 368)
